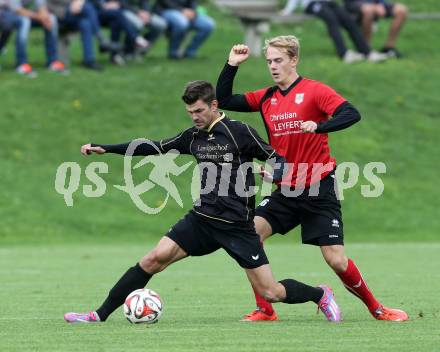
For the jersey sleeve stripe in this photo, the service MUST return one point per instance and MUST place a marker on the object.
(256, 140)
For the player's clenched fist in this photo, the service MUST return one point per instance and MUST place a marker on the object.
(87, 149)
(309, 127)
(239, 53)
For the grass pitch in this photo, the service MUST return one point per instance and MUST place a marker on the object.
(55, 259)
(205, 297)
(43, 123)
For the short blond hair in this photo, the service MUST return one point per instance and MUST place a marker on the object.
(287, 43)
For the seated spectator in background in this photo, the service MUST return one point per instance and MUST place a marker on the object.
(5, 33)
(20, 16)
(336, 17)
(79, 15)
(370, 10)
(111, 15)
(139, 13)
(181, 17)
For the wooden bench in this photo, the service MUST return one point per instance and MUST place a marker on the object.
(256, 16)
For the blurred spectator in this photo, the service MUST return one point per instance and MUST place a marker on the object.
(181, 16)
(79, 15)
(5, 33)
(111, 14)
(20, 16)
(335, 18)
(139, 13)
(370, 10)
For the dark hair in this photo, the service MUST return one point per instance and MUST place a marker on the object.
(196, 90)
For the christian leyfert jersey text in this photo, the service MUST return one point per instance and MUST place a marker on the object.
(283, 112)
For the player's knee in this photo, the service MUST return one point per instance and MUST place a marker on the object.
(338, 263)
(262, 228)
(153, 262)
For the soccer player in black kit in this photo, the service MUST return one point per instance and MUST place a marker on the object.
(218, 220)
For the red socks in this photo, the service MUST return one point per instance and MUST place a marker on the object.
(264, 305)
(354, 282)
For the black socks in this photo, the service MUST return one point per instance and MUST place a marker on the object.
(297, 292)
(133, 279)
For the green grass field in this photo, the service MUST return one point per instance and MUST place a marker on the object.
(45, 121)
(205, 297)
(55, 258)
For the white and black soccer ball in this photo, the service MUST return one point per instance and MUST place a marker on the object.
(143, 306)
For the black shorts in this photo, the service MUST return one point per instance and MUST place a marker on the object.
(198, 235)
(320, 216)
(355, 8)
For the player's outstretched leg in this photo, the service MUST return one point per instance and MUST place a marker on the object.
(264, 310)
(166, 252)
(293, 292)
(354, 282)
(133, 279)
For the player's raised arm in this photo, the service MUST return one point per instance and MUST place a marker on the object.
(238, 54)
(228, 101)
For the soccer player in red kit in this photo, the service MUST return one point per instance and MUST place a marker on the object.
(296, 115)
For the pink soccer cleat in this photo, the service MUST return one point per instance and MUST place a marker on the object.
(328, 305)
(90, 317)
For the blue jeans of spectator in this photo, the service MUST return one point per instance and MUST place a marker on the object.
(156, 27)
(4, 37)
(87, 23)
(50, 39)
(179, 25)
(22, 25)
(117, 22)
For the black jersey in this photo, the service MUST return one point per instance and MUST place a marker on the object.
(224, 154)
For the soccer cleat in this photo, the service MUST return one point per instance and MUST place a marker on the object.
(57, 66)
(390, 314)
(328, 305)
(90, 317)
(260, 315)
(26, 70)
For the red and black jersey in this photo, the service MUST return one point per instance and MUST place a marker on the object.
(283, 112)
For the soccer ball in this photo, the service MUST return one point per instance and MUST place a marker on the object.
(143, 306)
